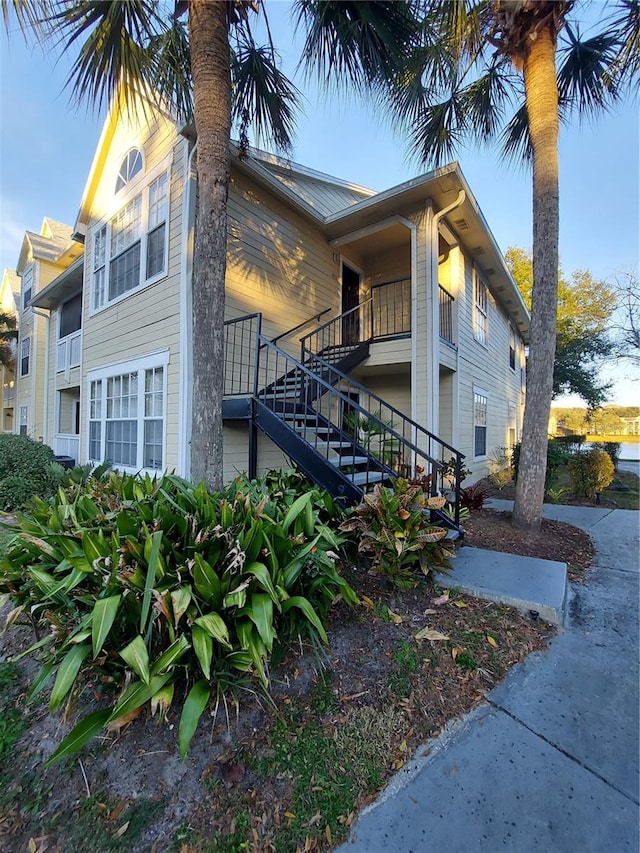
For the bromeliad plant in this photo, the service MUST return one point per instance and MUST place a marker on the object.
(396, 535)
(162, 590)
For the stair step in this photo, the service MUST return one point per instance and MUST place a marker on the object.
(345, 461)
(313, 430)
(364, 478)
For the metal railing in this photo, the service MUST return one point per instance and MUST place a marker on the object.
(391, 308)
(294, 329)
(446, 301)
(354, 418)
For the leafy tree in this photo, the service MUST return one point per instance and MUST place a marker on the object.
(211, 66)
(584, 310)
(511, 70)
(8, 335)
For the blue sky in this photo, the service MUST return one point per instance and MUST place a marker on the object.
(46, 148)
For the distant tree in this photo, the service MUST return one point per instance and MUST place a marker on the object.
(585, 307)
(8, 336)
(626, 326)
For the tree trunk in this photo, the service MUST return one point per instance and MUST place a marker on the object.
(541, 94)
(209, 35)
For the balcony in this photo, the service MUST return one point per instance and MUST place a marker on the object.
(68, 352)
(67, 444)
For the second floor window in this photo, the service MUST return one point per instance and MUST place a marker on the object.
(27, 286)
(512, 347)
(130, 250)
(70, 316)
(25, 355)
(479, 310)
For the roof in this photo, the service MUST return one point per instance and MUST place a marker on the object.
(53, 241)
(67, 284)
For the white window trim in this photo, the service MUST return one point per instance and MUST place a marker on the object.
(23, 341)
(30, 269)
(137, 177)
(512, 407)
(481, 393)
(159, 358)
(513, 332)
(478, 280)
(140, 184)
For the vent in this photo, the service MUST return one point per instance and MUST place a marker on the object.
(479, 250)
(490, 271)
(461, 224)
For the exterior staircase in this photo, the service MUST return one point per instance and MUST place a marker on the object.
(340, 434)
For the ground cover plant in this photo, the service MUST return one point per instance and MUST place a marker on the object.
(156, 589)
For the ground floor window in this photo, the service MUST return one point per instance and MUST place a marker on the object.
(479, 423)
(127, 414)
(24, 420)
(512, 430)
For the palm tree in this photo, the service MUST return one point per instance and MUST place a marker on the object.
(140, 45)
(488, 69)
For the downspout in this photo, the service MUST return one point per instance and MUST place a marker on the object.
(186, 319)
(433, 368)
(45, 402)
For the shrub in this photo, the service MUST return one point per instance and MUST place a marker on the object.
(29, 468)
(557, 455)
(159, 588)
(591, 472)
(612, 448)
(473, 497)
(395, 533)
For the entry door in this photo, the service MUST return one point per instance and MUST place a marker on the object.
(350, 299)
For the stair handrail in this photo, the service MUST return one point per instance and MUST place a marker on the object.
(316, 378)
(334, 321)
(304, 323)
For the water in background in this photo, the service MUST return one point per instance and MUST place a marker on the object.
(630, 451)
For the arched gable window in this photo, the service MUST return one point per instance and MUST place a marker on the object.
(129, 168)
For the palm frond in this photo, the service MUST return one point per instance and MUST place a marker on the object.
(585, 82)
(172, 68)
(460, 26)
(358, 43)
(439, 131)
(263, 97)
(626, 26)
(485, 99)
(113, 40)
(515, 141)
(31, 17)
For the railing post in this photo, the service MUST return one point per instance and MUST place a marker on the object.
(256, 364)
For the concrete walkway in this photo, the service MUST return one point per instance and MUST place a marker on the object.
(550, 761)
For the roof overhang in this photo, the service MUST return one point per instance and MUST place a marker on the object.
(67, 284)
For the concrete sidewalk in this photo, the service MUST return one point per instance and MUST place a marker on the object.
(550, 761)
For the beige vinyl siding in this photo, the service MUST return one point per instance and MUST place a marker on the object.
(277, 263)
(485, 367)
(390, 266)
(146, 320)
(236, 452)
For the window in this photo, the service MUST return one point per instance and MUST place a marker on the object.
(27, 286)
(512, 428)
(70, 316)
(479, 423)
(25, 355)
(479, 310)
(512, 347)
(130, 250)
(131, 165)
(126, 416)
(24, 414)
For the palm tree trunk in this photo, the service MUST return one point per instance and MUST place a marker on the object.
(542, 107)
(209, 37)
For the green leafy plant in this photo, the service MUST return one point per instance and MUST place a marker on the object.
(554, 496)
(27, 468)
(395, 534)
(558, 454)
(591, 472)
(474, 496)
(166, 592)
(612, 448)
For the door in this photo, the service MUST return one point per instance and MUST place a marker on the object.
(350, 300)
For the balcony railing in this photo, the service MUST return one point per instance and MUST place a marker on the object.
(66, 444)
(446, 314)
(9, 394)
(391, 308)
(68, 352)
